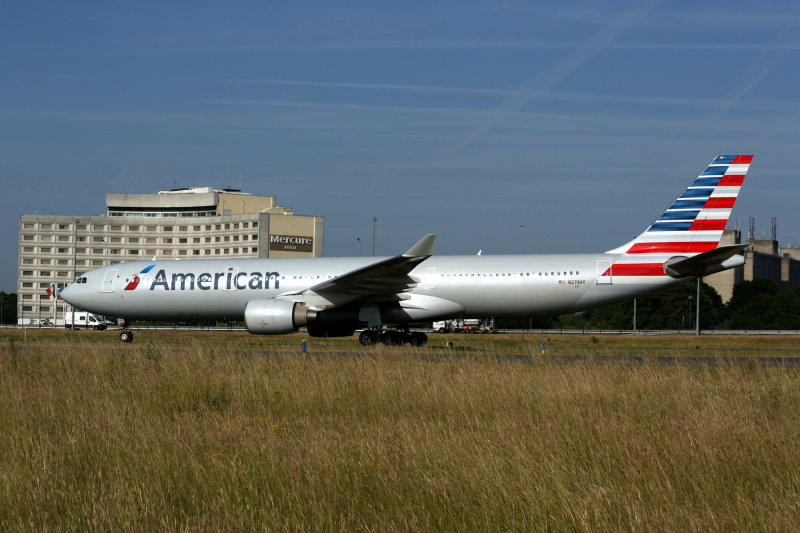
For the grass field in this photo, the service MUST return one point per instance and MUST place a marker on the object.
(226, 431)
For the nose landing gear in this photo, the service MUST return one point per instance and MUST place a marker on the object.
(126, 335)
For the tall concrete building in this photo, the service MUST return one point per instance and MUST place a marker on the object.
(191, 223)
(763, 259)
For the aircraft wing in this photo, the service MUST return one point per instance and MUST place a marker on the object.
(708, 262)
(380, 281)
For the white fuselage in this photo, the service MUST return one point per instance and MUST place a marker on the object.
(445, 286)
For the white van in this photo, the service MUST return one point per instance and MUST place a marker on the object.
(84, 319)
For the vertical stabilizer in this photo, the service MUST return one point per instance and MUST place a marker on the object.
(692, 225)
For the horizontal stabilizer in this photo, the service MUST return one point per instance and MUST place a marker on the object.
(708, 262)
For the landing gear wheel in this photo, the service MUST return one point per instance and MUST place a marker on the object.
(392, 337)
(417, 338)
(368, 337)
(126, 336)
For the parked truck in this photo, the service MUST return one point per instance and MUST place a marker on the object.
(85, 320)
(465, 325)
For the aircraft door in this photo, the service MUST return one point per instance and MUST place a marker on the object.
(430, 282)
(108, 280)
(604, 265)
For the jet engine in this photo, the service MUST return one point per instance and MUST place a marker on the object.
(276, 317)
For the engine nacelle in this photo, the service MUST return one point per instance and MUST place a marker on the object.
(276, 317)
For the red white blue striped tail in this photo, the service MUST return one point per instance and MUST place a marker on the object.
(693, 224)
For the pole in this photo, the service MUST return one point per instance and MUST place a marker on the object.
(74, 264)
(634, 314)
(359, 246)
(697, 307)
(374, 220)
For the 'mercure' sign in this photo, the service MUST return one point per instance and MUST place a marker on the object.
(291, 243)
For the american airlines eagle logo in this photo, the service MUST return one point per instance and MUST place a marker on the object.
(136, 279)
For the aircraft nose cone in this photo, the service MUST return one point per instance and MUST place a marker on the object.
(70, 295)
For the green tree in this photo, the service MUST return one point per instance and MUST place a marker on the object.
(9, 304)
(672, 308)
(757, 304)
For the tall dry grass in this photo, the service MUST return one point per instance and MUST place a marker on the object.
(220, 434)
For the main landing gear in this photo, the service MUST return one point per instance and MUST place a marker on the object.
(392, 337)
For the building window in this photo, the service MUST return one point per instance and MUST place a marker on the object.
(116, 228)
(133, 228)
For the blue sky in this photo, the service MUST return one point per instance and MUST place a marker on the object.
(510, 127)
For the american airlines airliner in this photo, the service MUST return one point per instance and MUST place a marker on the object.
(336, 296)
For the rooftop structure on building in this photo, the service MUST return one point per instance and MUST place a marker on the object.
(190, 223)
(190, 202)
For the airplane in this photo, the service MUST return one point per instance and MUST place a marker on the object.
(337, 296)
